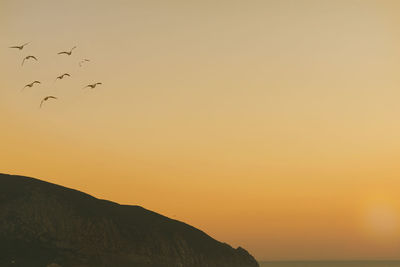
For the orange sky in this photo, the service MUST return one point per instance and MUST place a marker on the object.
(273, 125)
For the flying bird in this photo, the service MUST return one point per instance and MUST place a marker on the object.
(92, 85)
(28, 57)
(83, 61)
(46, 99)
(20, 47)
(62, 76)
(30, 85)
(67, 52)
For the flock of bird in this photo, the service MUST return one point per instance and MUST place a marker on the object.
(68, 53)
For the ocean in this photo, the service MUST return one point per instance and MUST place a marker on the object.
(330, 264)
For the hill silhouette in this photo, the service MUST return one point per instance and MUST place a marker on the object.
(43, 224)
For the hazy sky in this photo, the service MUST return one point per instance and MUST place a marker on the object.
(273, 125)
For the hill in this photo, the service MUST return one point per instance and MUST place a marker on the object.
(43, 224)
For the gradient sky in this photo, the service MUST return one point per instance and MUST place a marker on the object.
(273, 125)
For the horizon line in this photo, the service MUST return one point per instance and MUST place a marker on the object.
(330, 260)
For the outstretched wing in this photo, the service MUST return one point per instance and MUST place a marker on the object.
(60, 53)
(33, 57)
(47, 98)
(22, 89)
(25, 44)
(41, 103)
(15, 47)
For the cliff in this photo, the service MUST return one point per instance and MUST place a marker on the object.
(43, 224)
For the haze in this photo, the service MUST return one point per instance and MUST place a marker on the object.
(273, 125)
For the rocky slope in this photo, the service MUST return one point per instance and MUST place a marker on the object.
(43, 224)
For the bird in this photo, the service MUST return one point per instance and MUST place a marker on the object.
(83, 61)
(20, 47)
(67, 53)
(62, 76)
(92, 85)
(28, 57)
(30, 85)
(47, 98)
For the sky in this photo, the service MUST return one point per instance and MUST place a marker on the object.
(271, 125)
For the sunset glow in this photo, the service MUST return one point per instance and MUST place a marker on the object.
(273, 125)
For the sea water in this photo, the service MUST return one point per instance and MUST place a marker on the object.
(330, 264)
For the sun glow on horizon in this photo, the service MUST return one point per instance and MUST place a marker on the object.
(382, 217)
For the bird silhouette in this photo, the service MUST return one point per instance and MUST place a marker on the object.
(92, 85)
(67, 52)
(46, 99)
(28, 57)
(62, 76)
(20, 47)
(30, 85)
(83, 61)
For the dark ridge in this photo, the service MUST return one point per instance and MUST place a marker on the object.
(44, 224)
